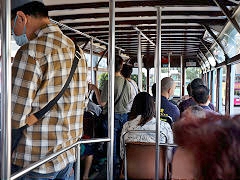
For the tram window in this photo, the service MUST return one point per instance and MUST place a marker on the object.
(192, 73)
(223, 91)
(218, 53)
(102, 63)
(211, 59)
(230, 40)
(235, 94)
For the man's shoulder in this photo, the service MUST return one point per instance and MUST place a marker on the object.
(51, 36)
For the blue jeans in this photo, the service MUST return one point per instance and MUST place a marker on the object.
(66, 174)
(119, 121)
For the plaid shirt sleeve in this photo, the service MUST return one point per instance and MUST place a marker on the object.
(40, 70)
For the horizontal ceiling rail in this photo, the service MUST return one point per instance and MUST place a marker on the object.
(65, 27)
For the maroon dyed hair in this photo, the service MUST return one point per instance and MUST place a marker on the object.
(215, 144)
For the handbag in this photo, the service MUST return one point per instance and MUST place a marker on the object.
(33, 118)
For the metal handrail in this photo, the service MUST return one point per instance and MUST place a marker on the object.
(48, 158)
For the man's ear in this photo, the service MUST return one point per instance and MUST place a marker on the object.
(169, 90)
(209, 98)
(22, 18)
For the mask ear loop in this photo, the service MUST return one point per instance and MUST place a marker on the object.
(14, 24)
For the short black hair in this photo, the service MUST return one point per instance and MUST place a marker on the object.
(154, 90)
(196, 82)
(126, 70)
(35, 8)
(189, 89)
(118, 63)
(143, 104)
(200, 94)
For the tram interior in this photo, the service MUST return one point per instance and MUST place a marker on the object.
(203, 33)
(199, 38)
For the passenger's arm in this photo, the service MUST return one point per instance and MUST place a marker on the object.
(97, 92)
(26, 78)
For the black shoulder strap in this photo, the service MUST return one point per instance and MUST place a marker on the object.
(125, 82)
(32, 119)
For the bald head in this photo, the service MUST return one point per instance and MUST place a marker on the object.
(167, 87)
(166, 84)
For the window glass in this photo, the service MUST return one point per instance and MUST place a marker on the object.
(88, 58)
(211, 59)
(235, 100)
(230, 39)
(206, 62)
(191, 73)
(222, 90)
(218, 53)
(102, 63)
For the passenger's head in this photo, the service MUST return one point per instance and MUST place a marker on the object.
(29, 7)
(154, 90)
(201, 94)
(208, 148)
(27, 17)
(189, 89)
(118, 63)
(196, 82)
(126, 70)
(195, 111)
(167, 87)
(143, 105)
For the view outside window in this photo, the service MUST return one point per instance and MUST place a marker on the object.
(218, 53)
(192, 73)
(211, 59)
(230, 39)
(235, 90)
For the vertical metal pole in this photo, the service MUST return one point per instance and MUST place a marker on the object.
(158, 89)
(231, 92)
(91, 54)
(213, 87)
(139, 62)
(6, 89)
(181, 77)
(77, 168)
(209, 80)
(219, 90)
(228, 89)
(169, 64)
(148, 79)
(184, 80)
(111, 75)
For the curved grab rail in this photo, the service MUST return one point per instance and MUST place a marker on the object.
(48, 158)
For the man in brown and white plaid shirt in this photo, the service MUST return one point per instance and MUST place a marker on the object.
(39, 71)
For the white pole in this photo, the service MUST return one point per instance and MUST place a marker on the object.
(158, 88)
(139, 62)
(5, 24)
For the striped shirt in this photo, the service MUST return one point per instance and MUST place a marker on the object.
(39, 71)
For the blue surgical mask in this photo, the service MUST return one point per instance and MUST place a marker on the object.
(22, 39)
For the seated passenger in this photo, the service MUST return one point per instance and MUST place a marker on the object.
(189, 102)
(167, 90)
(143, 118)
(202, 97)
(189, 92)
(208, 148)
(195, 111)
